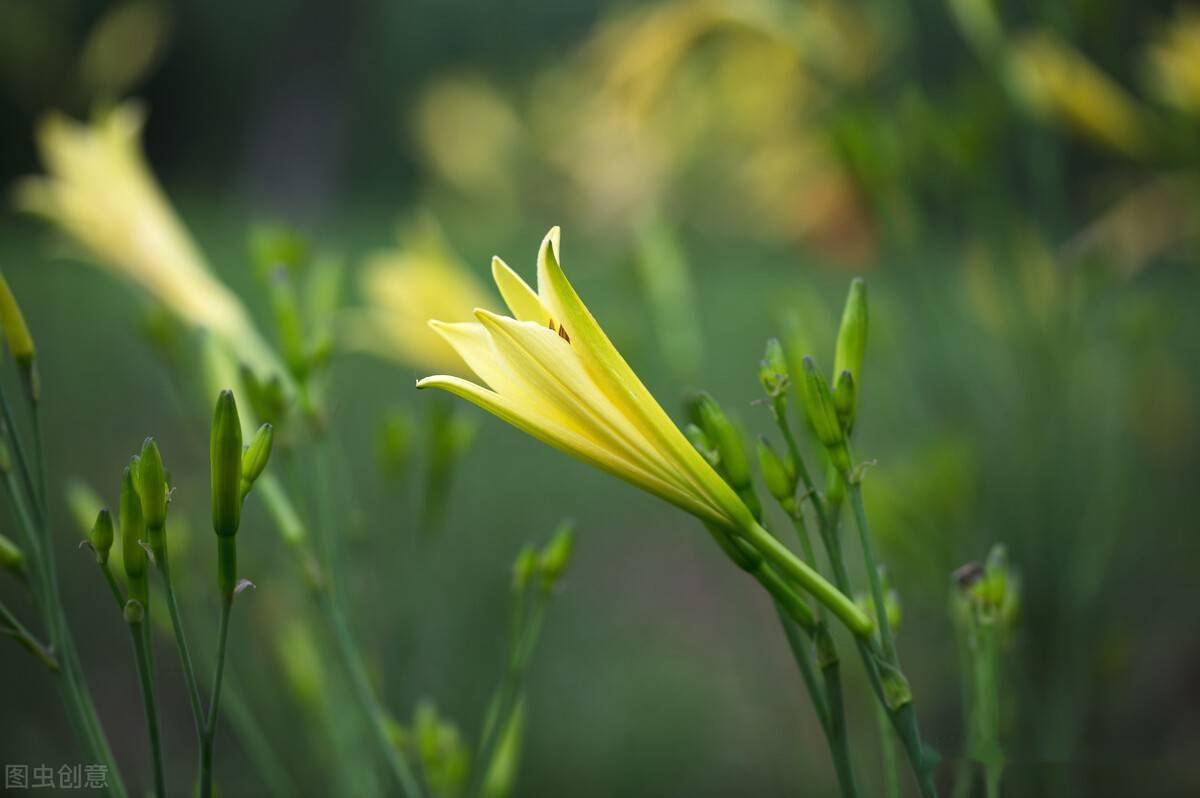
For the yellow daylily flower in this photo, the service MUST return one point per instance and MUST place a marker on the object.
(550, 371)
(403, 288)
(102, 194)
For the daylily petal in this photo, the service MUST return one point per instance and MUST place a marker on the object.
(520, 298)
(567, 440)
(621, 384)
(541, 358)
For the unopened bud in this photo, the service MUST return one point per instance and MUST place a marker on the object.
(152, 486)
(708, 415)
(780, 478)
(845, 399)
(852, 335)
(101, 535)
(556, 555)
(134, 612)
(254, 459)
(525, 566)
(818, 404)
(133, 532)
(702, 444)
(225, 460)
(11, 557)
(20, 342)
(773, 371)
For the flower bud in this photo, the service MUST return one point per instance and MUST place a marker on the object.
(818, 404)
(702, 444)
(780, 477)
(556, 555)
(133, 531)
(152, 485)
(101, 535)
(709, 416)
(20, 342)
(845, 399)
(852, 335)
(225, 459)
(773, 371)
(525, 566)
(11, 557)
(254, 459)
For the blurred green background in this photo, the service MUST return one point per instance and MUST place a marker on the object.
(1019, 183)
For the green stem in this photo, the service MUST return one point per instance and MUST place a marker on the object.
(140, 634)
(181, 643)
(17, 631)
(887, 744)
(791, 566)
(526, 634)
(214, 705)
(365, 694)
(839, 739)
(72, 685)
(807, 666)
(903, 715)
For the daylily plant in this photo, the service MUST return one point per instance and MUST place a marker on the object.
(550, 371)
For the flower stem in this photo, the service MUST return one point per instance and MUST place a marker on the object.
(887, 745)
(16, 630)
(181, 643)
(901, 712)
(366, 695)
(214, 705)
(141, 640)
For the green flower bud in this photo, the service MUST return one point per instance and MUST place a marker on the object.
(845, 399)
(818, 404)
(152, 485)
(556, 555)
(289, 325)
(273, 245)
(773, 371)
(708, 415)
(254, 459)
(702, 444)
(267, 397)
(11, 556)
(852, 335)
(133, 532)
(20, 342)
(101, 535)
(225, 459)
(525, 567)
(778, 473)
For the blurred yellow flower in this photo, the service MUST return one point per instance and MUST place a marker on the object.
(1174, 61)
(550, 371)
(403, 288)
(1059, 82)
(101, 193)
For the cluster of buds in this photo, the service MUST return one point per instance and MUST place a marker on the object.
(545, 566)
(988, 594)
(717, 438)
(234, 470)
(831, 412)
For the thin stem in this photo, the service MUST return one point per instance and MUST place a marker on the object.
(17, 631)
(214, 705)
(181, 643)
(72, 685)
(838, 602)
(807, 666)
(839, 744)
(527, 631)
(366, 696)
(140, 634)
(887, 745)
(113, 587)
(903, 715)
(868, 550)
